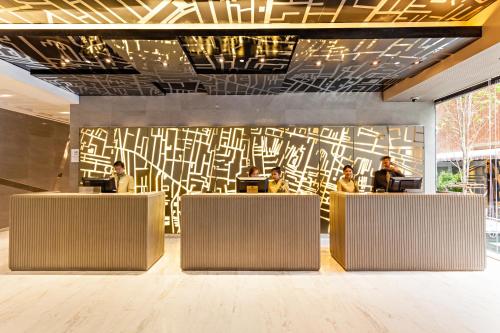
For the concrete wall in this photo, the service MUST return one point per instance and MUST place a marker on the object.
(277, 110)
(31, 153)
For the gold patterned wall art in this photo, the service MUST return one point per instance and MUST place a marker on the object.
(208, 159)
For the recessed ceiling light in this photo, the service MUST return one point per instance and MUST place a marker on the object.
(397, 63)
(5, 95)
(417, 62)
(165, 64)
(221, 60)
(66, 61)
(375, 62)
(108, 60)
(318, 63)
(242, 60)
(262, 59)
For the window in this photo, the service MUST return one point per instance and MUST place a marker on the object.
(468, 151)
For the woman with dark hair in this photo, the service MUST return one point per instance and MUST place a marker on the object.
(253, 172)
(346, 183)
(277, 184)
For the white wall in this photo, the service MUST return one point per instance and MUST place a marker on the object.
(326, 109)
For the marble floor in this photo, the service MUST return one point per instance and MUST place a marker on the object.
(165, 299)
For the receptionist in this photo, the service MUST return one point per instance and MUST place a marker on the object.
(346, 183)
(382, 177)
(253, 172)
(124, 183)
(277, 184)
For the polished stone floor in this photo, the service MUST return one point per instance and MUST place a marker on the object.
(165, 299)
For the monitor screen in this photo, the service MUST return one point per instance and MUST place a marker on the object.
(402, 184)
(251, 184)
(107, 185)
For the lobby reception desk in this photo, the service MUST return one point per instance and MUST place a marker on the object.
(72, 231)
(407, 231)
(250, 232)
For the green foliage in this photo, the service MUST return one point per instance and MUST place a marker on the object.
(448, 178)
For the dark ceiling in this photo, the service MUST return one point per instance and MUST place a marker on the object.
(148, 62)
(155, 67)
(237, 11)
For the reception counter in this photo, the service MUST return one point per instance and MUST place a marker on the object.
(250, 232)
(407, 231)
(72, 231)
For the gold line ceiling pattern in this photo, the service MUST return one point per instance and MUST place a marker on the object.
(352, 65)
(157, 67)
(239, 54)
(234, 11)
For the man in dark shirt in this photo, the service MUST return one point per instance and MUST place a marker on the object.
(381, 178)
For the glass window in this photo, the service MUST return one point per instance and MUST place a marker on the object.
(468, 152)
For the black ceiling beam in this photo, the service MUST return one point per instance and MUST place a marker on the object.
(303, 33)
(84, 71)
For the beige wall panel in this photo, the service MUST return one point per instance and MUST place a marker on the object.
(31, 148)
(31, 154)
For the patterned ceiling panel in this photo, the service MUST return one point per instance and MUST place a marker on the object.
(63, 54)
(239, 54)
(242, 84)
(106, 85)
(162, 65)
(356, 65)
(234, 11)
(162, 61)
(92, 66)
(154, 57)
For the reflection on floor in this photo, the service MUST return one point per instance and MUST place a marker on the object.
(165, 299)
(493, 237)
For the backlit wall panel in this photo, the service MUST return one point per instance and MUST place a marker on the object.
(208, 159)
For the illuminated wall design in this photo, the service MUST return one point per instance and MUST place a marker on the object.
(182, 160)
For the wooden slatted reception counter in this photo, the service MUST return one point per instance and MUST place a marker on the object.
(407, 231)
(72, 231)
(250, 232)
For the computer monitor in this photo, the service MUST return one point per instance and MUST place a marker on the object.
(107, 185)
(402, 184)
(251, 184)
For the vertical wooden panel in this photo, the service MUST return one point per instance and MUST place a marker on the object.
(250, 232)
(409, 231)
(59, 231)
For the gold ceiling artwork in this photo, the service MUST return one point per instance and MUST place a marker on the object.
(239, 54)
(237, 11)
(232, 47)
(89, 65)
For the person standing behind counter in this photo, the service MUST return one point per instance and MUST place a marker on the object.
(124, 183)
(253, 172)
(277, 184)
(382, 177)
(346, 183)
